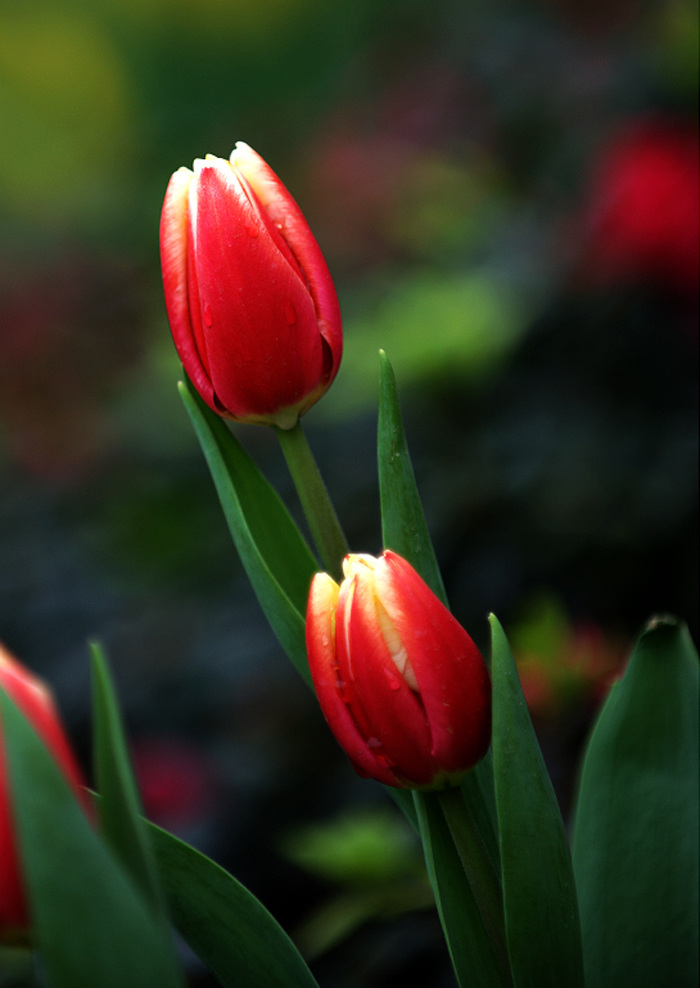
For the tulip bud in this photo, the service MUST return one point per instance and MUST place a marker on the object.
(250, 301)
(400, 682)
(35, 701)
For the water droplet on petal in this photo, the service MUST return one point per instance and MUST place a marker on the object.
(393, 681)
(251, 227)
(207, 316)
(374, 743)
(290, 313)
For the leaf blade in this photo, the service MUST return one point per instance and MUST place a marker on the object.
(119, 807)
(277, 560)
(636, 826)
(541, 908)
(227, 927)
(473, 959)
(404, 527)
(91, 924)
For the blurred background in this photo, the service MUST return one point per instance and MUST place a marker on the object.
(507, 196)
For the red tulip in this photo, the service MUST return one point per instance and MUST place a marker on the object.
(400, 682)
(34, 700)
(643, 211)
(250, 300)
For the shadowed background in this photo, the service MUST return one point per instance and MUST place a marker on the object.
(506, 193)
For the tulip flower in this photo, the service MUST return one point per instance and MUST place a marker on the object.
(35, 701)
(400, 682)
(250, 301)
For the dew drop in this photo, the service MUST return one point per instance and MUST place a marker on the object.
(207, 316)
(290, 313)
(393, 681)
(251, 227)
(374, 743)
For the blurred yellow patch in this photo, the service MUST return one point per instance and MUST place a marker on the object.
(236, 19)
(64, 112)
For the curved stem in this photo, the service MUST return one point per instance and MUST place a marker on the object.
(319, 511)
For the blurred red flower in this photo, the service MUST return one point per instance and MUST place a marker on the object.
(642, 213)
(35, 701)
(175, 781)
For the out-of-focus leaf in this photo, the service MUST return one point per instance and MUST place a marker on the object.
(226, 926)
(541, 909)
(361, 848)
(437, 326)
(92, 925)
(275, 556)
(119, 807)
(636, 829)
(374, 860)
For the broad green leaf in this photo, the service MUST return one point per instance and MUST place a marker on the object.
(119, 807)
(275, 556)
(404, 528)
(473, 957)
(541, 910)
(92, 925)
(636, 825)
(226, 926)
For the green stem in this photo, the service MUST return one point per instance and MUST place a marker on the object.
(478, 866)
(315, 501)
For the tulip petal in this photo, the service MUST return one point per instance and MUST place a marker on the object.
(174, 233)
(331, 689)
(402, 685)
(250, 300)
(273, 332)
(289, 219)
(452, 677)
(388, 712)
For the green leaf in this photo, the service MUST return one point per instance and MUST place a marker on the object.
(92, 925)
(404, 528)
(541, 909)
(478, 789)
(275, 556)
(119, 807)
(636, 825)
(226, 926)
(473, 958)
(405, 531)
